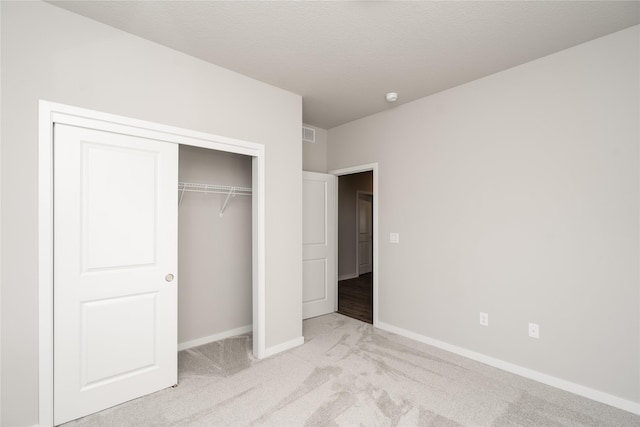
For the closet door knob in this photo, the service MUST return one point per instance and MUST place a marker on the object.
(169, 277)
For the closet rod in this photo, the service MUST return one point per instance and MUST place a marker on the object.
(230, 191)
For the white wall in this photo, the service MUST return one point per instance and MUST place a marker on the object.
(314, 154)
(215, 253)
(518, 195)
(49, 53)
(348, 187)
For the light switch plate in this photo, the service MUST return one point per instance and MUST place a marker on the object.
(484, 319)
(394, 237)
(534, 330)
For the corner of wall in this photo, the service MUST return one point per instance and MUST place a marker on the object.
(314, 154)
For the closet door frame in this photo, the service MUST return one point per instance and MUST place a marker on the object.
(51, 113)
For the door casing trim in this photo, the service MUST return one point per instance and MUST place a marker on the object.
(50, 113)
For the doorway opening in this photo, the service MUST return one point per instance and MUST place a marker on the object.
(356, 245)
(214, 246)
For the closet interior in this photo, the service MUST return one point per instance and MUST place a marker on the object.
(214, 245)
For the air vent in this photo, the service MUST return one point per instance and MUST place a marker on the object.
(308, 134)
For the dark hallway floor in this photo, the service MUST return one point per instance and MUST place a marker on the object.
(355, 297)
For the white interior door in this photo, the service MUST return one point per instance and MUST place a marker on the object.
(115, 290)
(319, 283)
(365, 233)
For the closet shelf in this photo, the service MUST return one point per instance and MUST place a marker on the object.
(230, 191)
(213, 188)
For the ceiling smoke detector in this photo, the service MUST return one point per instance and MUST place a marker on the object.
(392, 97)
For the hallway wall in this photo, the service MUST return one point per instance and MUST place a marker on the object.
(348, 187)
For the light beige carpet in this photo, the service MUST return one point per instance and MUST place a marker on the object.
(349, 374)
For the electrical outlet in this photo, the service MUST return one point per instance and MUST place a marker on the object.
(534, 330)
(484, 319)
(394, 237)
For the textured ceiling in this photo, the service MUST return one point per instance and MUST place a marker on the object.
(342, 57)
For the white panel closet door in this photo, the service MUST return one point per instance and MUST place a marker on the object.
(319, 282)
(115, 285)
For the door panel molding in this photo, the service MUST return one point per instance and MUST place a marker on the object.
(50, 113)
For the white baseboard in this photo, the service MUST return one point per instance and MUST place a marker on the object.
(283, 347)
(348, 276)
(215, 337)
(574, 388)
